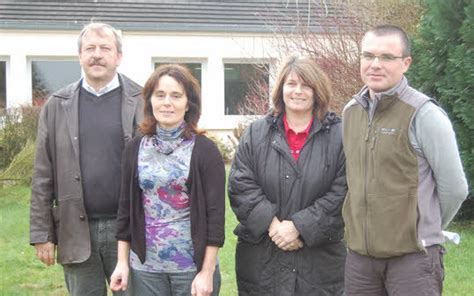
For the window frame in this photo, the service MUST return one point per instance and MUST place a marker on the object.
(31, 59)
(181, 60)
(6, 60)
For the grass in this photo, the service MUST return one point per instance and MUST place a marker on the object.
(459, 262)
(22, 274)
(226, 255)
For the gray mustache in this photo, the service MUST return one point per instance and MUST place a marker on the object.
(96, 62)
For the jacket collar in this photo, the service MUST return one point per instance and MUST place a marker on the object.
(363, 96)
(276, 121)
(131, 94)
(381, 100)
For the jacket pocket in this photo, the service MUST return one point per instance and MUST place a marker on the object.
(395, 212)
(321, 267)
(247, 262)
(254, 266)
(74, 243)
(308, 289)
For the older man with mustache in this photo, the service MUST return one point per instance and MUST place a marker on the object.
(76, 184)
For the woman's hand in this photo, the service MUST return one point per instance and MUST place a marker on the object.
(285, 235)
(202, 283)
(119, 278)
(294, 245)
(274, 226)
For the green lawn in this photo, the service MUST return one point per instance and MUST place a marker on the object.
(22, 274)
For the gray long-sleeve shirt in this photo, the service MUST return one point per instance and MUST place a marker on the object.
(432, 136)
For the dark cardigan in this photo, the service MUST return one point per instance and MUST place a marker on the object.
(206, 182)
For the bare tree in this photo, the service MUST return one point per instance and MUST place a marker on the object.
(330, 32)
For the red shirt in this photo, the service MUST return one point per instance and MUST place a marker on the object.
(296, 140)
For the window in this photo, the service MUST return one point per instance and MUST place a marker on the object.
(195, 68)
(3, 84)
(246, 89)
(49, 76)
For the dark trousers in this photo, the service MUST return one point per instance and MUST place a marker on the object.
(413, 274)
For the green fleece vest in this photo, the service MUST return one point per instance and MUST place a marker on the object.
(380, 209)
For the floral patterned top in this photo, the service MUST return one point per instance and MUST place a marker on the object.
(163, 168)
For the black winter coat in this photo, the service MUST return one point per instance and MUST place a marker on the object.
(265, 181)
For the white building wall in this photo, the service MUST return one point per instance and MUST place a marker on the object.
(21, 47)
(140, 51)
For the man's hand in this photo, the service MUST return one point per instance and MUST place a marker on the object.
(46, 252)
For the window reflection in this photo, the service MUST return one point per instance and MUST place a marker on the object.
(49, 76)
(195, 68)
(246, 89)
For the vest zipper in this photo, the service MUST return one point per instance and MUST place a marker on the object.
(367, 143)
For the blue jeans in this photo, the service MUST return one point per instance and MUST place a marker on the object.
(89, 277)
(167, 284)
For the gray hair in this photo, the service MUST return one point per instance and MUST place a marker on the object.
(100, 28)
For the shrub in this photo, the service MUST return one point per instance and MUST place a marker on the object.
(442, 68)
(17, 126)
(226, 149)
(20, 169)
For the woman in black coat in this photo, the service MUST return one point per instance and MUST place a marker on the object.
(286, 186)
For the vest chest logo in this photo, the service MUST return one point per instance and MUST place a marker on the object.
(388, 131)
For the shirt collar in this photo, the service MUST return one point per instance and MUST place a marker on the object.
(394, 91)
(371, 102)
(113, 84)
(288, 128)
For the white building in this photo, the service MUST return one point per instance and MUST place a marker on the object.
(221, 41)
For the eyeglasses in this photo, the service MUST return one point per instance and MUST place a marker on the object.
(383, 58)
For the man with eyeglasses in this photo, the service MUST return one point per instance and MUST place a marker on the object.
(404, 173)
